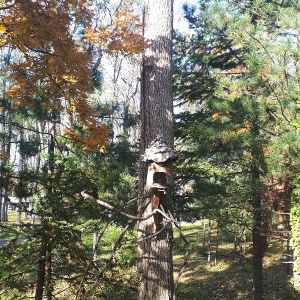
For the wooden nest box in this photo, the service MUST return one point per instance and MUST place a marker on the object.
(159, 157)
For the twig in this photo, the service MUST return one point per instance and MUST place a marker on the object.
(262, 45)
(186, 252)
(90, 264)
(112, 255)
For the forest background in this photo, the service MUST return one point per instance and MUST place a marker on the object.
(68, 127)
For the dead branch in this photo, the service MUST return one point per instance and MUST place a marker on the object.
(112, 208)
(168, 217)
(151, 235)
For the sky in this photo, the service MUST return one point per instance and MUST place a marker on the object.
(179, 21)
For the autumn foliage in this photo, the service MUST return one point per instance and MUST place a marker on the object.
(50, 67)
(123, 35)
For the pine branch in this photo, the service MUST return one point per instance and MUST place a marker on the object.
(261, 44)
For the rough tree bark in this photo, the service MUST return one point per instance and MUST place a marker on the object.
(155, 264)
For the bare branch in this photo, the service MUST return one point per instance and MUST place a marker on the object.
(112, 208)
(151, 235)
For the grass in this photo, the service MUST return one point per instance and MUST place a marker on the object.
(9, 229)
(228, 279)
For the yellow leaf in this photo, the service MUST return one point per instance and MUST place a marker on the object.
(102, 149)
(69, 78)
(3, 41)
(217, 117)
(2, 29)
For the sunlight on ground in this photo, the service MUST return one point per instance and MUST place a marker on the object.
(198, 271)
(231, 277)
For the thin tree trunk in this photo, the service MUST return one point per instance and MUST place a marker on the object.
(217, 242)
(209, 243)
(258, 238)
(155, 235)
(41, 274)
(288, 257)
(243, 242)
(258, 248)
(44, 274)
(19, 212)
(22, 167)
(95, 244)
(49, 271)
(288, 228)
(6, 151)
(259, 221)
(203, 233)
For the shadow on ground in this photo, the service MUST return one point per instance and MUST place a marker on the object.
(229, 279)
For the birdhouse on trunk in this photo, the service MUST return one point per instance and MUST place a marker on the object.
(159, 157)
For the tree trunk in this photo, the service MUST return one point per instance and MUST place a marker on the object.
(155, 235)
(41, 274)
(49, 271)
(44, 274)
(203, 233)
(258, 248)
(19, 212)
(209, 243)
(95, 244)
(258, 236)
(217, 242)
(6, 131)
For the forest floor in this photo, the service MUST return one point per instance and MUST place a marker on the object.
(227, 278)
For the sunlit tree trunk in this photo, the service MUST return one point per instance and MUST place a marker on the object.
(155, 264)
(209, 243)
(203, 233)
(217, 242)
(22, 166)
(5, 158)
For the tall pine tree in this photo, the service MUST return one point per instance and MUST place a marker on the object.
(239, 78)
